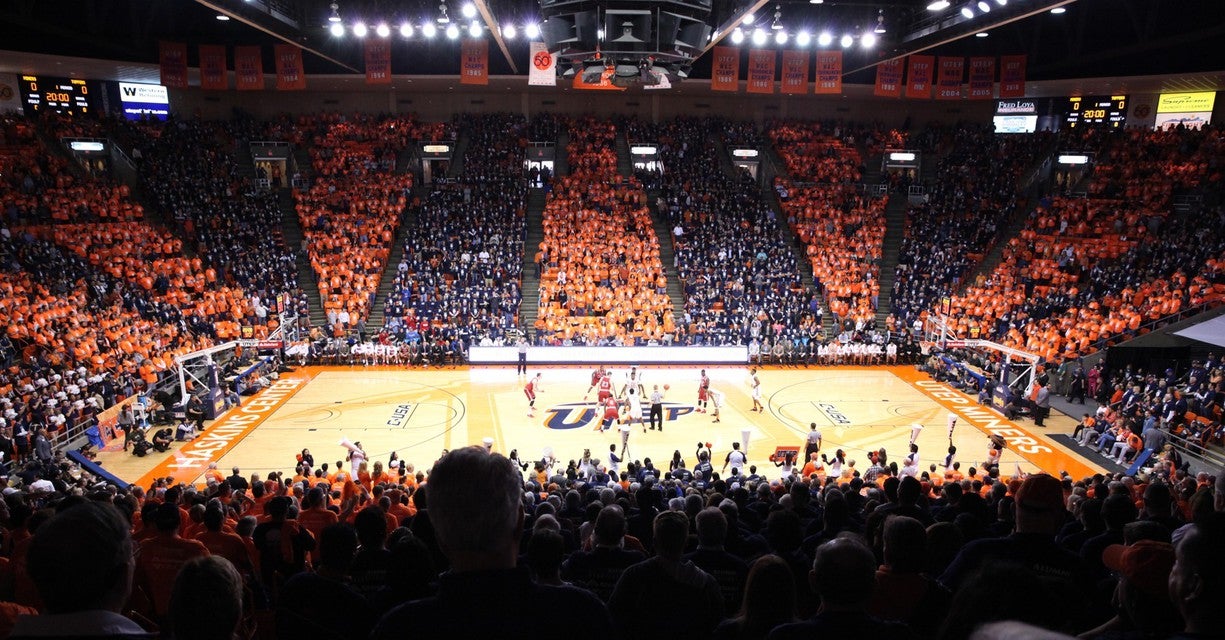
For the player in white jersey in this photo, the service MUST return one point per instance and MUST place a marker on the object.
(634, 401)
(755, 382)
(716, 400)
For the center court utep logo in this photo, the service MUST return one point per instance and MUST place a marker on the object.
(573, 415)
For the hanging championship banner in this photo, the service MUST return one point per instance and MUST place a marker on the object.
(474, 61)
(829, 72)
(248, 69)
(172, 57)
(1012, 76)
(919, 76)
(982, 78)
(378, 61)
(541, 66)
(795, 72)
(289, 74)
(725, 69)
(948, 77)
(889, 79)
(212, 68)
(761, 70)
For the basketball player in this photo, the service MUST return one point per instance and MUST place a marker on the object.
(533, 386)
(604, 388)
(596, 376)
(756, 383)
(633, 398)
(703, 392)
(633, 380)
(612, 411)
(716, 400)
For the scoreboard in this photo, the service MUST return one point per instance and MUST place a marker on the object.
(60, 95)
(1097, 111)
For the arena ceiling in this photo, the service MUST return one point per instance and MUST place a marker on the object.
(1092, 38)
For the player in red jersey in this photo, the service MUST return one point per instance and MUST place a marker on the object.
(533, 386)
(605, 388)
(596, 376)
(703, 392)
(612, 411)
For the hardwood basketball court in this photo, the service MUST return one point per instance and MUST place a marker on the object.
(420, 412)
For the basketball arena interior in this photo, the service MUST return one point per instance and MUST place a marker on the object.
(696, 318)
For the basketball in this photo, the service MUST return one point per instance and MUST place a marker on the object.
(667, 386)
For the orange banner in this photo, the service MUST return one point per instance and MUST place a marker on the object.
(761, 70)
(889, 79)
(248, 69)
(919, 76)
(378, 61)
(725, 69)
(289, 73)
(1012, 76)
(982, 79)
(212, 67)
(948, 77)
(795, 72)
(172, 57)
(474, 61)
(829, 72)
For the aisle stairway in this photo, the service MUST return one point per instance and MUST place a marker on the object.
(895, 232)
(291, 230)
(771, 167)
(407, 221)
(625, 165)
(534, 235)
(457, 155)
(667, 257)
(561, 162)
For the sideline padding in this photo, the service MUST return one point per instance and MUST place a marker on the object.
(96, 469)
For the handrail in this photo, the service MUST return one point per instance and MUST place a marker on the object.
(1201, 453)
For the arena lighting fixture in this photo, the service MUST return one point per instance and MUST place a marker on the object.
(337, 29)
(981, 34)
(335, 17)
(816, 1)
(825, 39)
(452, 31)
(939, 5)
(880, 22)
(474, 29)
(532, 30)
(737, 36)
(846, 41)
(406, 30)
(759, 37)
(967, 12)
(1073, 158)
(749, 18)
(901, 156)
(868, 40)
(429, 30)
(469, 10)
(509, 32)
(803, 38)
(383, 30)
(1001, 2)
(360, 30)
(983, 6)
(1059, 10)
(781, 37)
(222, 17)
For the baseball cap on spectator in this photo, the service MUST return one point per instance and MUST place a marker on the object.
(1146, 565)
(1041, 492)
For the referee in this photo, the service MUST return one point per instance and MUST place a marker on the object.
(812, 442)
(657, 408)
(521, 368)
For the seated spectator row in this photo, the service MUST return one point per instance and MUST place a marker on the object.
(602, 278)
(970, 203)
(739, 276)
(351, 213)
(1085, 272)
(463, 259)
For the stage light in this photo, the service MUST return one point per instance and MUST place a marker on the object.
(967, 12)
(938, 5)
(360, 30)
(383, 30)
(759, 37)
(981, 34)
(1059, 10)
(749, 18)
(429, 30)
(532, 30)
(337, 29)
(474, 29)
(803, 38)
(452, 32)
(406, 30)
(469, 10)
(509, 31)
(868, 40)
(781, 37)
(847, 41)
(737, 36)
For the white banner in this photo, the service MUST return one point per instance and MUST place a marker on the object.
(611, 355)
(662, 81)
(542, 66)
(10, 96)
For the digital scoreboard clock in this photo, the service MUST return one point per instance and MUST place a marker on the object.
(60, 95)
(1097, 111)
